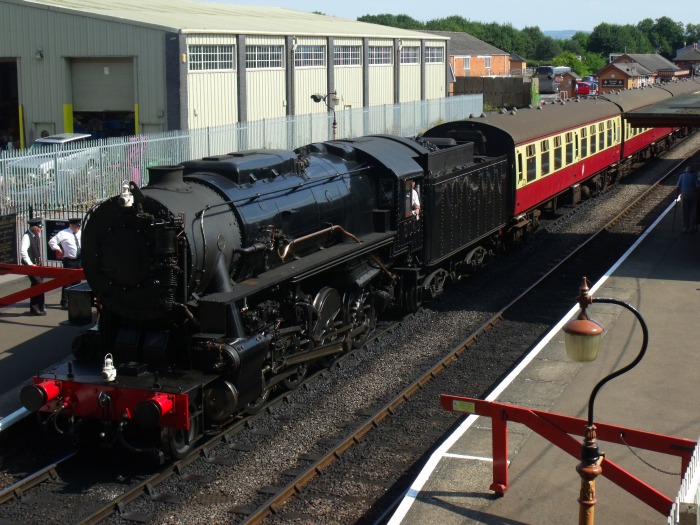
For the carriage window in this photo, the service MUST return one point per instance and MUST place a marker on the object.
(593, 139)
(569, 147)
(601, 136)
(611, 132)
(557, 153)
(531, 163)
(544, 157)
(519, 166)
(584, 142)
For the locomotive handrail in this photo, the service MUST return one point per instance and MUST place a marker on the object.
(285, 251)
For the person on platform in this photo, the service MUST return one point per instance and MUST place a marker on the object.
(30, 253)
(688, 190)
(66, 245)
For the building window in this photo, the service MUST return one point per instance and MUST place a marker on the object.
(310, 56)
(347, 55)
(434, 55)
(211, 58)
(380, 55)
(487, 62)
(264, 57)
(410, 55)
(467, 62)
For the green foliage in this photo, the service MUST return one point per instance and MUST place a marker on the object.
(663, 36)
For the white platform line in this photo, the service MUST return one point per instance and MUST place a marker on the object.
(441, 451)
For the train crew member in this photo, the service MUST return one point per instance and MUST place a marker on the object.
(415, 199)
(30, 253)
(687, 187)
(66, 244)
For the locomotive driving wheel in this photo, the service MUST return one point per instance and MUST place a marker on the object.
(179, 443)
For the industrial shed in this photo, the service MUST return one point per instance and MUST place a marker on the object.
(121, 68)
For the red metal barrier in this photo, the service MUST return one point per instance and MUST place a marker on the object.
(59, 277)
(556, 428)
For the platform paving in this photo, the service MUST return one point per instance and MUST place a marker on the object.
(661, 278)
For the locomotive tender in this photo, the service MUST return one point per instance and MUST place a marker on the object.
(228, 277)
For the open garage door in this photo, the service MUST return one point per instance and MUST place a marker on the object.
(103, 96)
(9, 104)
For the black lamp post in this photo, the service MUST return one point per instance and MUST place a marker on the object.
(582, 339)
(317, 97)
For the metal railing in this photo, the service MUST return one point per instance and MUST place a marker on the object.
(55, 180)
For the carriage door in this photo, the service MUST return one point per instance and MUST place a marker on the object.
(411, 215)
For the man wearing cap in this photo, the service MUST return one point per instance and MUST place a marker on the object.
(30, 252)
(66, 244)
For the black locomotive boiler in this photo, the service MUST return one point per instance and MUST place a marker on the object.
(228, 277)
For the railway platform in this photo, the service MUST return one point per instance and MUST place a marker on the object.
(28, 343)
(660, 277)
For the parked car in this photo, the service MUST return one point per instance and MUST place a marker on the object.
(53, 167)
(583, 88)
(53, 154)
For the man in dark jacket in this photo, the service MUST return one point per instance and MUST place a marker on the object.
(30, 252)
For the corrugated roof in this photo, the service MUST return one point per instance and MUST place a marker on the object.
(199, 17)
(653, 62)
(464, 44)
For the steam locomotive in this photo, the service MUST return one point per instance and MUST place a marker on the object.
(227, 278)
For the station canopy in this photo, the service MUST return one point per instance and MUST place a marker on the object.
(678, 111)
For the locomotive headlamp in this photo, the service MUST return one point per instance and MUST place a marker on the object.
(109, 373)
(126, 198)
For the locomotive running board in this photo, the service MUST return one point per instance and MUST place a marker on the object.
(305, 267)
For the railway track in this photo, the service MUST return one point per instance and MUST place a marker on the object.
(201, 481)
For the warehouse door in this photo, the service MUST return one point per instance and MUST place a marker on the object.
(9, 104)
(103, 96)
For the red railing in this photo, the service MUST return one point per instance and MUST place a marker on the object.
(556, 428)
(59, 277)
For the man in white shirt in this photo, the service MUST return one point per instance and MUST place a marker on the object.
(66, 245)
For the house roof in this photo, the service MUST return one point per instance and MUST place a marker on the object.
(688, 53)
(652, 62)
(188, 16)
(463, 44)
(517, 58)
(631, 69)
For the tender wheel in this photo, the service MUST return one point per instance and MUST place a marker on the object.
(180, 443)
(436, 282)
(293, 381)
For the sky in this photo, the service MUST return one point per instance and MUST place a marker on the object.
(550, 15)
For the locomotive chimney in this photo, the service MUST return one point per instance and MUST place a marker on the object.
(167, 178)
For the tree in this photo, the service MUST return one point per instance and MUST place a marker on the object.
(571, 60)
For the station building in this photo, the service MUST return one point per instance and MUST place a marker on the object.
(121, 68)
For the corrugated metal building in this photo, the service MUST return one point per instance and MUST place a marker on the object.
(118, 68)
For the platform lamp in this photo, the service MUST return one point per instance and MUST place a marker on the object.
(582, 339)
(335, 100)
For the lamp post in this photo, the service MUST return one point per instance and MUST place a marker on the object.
(582, 340)
(335, 100)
